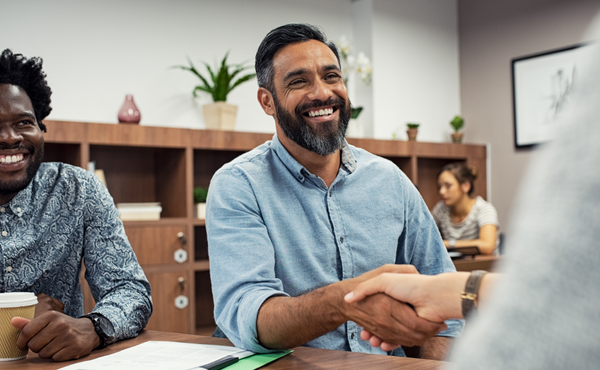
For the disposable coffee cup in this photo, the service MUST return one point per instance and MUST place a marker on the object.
(11, 305)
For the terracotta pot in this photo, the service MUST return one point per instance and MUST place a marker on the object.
(412, 134)
(220, 116)
(457, 137)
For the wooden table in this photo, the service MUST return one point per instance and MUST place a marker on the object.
(302, 357)
(477, 263)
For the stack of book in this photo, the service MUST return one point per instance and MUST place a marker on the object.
(139, 211)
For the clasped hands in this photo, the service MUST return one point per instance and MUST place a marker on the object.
(52, 334)
(393, 314)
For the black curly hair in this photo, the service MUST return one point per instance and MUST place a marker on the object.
(17, 70)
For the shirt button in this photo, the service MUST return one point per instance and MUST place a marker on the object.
(9, 269)
(341, 239)
(2, 209)
(300, 178)
(4, 233)
(19, 209)
(352, 336)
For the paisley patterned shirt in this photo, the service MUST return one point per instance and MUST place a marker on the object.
(64, 216)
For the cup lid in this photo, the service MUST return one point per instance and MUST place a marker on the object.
(17, 299)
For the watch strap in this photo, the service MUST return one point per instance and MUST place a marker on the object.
(470, 294)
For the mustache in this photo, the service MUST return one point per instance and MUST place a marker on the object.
(319, 103)
(20, 146)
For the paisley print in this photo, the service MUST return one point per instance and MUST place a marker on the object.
(63, 218)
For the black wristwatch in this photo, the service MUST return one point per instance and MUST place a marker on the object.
(103, 327)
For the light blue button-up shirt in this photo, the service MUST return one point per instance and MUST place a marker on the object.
(276, 229)
(64, 216)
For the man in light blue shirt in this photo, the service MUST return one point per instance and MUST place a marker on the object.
(298, 222)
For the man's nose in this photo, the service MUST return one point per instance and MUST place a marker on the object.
(320, 90)
(8, 135)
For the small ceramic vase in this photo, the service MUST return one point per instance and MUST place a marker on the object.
(129, 113)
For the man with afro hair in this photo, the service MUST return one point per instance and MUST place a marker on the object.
(53, 217)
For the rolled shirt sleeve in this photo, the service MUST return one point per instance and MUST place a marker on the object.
(117, 282)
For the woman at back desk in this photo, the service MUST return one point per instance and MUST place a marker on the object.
(464, 221)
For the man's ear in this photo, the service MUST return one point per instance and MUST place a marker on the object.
(265, 98)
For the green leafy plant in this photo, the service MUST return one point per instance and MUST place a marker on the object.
(457, 123)
(412, 125)
(222, 78)
(200, 194)
(356, 111)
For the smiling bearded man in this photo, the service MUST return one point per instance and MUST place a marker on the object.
(325, 138)
(299, 221)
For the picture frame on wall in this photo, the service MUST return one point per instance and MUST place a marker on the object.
(543, 86)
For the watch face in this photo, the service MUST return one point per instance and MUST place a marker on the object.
(107, 327)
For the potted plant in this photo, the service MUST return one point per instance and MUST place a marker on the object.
(413, 129)
(457, 123)
(219, 115)
(200, 194)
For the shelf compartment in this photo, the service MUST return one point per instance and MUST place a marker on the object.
(141, 174)
(204, 300)
(63, 152)
(200, 243)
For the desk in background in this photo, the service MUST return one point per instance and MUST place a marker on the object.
(477, 263)
(302, 357)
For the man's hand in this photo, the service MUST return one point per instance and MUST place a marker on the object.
(57, 336)
(47, 303)
(391, 321)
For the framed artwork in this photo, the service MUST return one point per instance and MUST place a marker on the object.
(543, 86)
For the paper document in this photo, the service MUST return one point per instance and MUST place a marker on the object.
(161, 355)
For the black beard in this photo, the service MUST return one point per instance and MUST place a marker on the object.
(13, 187)
(326, 138)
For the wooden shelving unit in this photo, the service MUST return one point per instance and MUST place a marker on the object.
(160, 164)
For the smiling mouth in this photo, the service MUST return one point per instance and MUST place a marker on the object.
(320, 112)
(9, 159)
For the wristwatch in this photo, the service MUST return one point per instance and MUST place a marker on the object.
(452, 243)
(103, 327)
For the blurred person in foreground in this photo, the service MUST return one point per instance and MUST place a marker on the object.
(53, 217)
(543, 311)
(464, 220)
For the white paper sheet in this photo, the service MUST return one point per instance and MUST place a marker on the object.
(161, 355)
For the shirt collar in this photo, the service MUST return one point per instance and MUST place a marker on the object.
(298, 170)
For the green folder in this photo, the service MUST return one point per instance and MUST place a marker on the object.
(256, 361)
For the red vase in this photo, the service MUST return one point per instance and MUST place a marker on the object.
(129, 113)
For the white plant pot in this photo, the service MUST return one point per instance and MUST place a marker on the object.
(200, 211)
(220, 116)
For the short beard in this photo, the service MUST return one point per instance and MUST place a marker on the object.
(15, 186)
(326, 138)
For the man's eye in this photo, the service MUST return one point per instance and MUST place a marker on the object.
(296, 82)
(26, 123)
(333, 77)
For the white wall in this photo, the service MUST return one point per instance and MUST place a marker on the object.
(491, 34)
(95, 52)
(415, 67)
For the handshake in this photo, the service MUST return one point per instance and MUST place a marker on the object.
(397, 306)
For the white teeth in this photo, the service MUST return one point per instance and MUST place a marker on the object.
(11, 159)
(322, 112)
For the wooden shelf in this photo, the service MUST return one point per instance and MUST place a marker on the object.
(161, 164)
